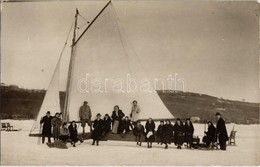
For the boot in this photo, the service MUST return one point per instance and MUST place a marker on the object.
(166, 146)
(97, 143)
(93, 142)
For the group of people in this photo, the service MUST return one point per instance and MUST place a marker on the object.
(53, 127)
(118, 123)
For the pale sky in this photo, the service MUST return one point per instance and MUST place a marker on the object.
(212, 45)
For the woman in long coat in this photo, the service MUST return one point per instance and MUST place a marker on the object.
(159, 133)
(178, 133)
(189, 130)
(107, 124)
(98, 129)
(135, 112)
(221, 131)
(150, 132)
(210, 134)
(56, 124)
(167, 133)
(74, 133)
(46, 129)
(117, 116)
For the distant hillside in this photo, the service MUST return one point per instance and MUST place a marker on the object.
(185, 104)
(23, 103)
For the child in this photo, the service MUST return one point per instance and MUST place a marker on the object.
(138, 132)
(98, 129)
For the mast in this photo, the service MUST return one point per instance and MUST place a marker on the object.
(65, 115)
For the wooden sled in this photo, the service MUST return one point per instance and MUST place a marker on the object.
(57, 144)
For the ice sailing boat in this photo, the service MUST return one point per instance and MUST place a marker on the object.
(104, 69)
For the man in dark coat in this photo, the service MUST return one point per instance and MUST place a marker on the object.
(46, 129)
(126, 125)
(97, 129)
(107, 125)
(221, 131)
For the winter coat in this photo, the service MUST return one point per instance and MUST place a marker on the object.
(210, 134)
(167, 133)
(150, 128)
(135, 111)
(221, 130)
(139, 130)
(189, 130)
(107, 124)
(178, 133)
(126, 125)
(119, 118)
(73, 132)
(85, 112)
(46, 129)
(97, 129)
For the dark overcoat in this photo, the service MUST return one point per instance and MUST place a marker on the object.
(46, 128)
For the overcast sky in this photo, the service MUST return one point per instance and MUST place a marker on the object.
(212, 45)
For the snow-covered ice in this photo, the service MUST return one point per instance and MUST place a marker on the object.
(17, 148)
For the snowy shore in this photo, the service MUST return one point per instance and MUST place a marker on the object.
(17, 148)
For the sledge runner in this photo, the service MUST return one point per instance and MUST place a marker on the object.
(56, 124)
(150, 132)
(167, 133)
(74, 133)
(46, 130)
(210, 134)
(85, 116)
(221, 131)
(139, 132)
(178, 133)
(135, 112)
(97, 129)
(159, 133)
(189, 130)
(117, 116)
(126, 125)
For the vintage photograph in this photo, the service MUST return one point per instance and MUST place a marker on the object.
(130, 83)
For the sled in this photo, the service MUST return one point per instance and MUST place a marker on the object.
(57, 144)
(232, 138)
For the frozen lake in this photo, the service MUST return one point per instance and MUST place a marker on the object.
(17, 148)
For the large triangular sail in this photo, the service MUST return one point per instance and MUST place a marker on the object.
(51, 101)
(105, 71)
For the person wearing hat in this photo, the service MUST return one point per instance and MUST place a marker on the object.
(85, 116)
(97, 129)
(46, 129)
(221, 131)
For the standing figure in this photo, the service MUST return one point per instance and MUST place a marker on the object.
(85, 116)
(126, 125)
(150, 132)
(139, 132)
(107, 124)
(135, 112)
(117, 117)
(56, 124)
(74, 133)
(97, 129)
(178, 133)
(46, 130)
(159, 133)
(210, 134)
(64, 133)
(189, 130)
(167, 133)
(221, 132)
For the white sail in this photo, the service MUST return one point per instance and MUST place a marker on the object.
(51, 100)
(105, 68)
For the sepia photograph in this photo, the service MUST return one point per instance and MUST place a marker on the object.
(130, 83)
